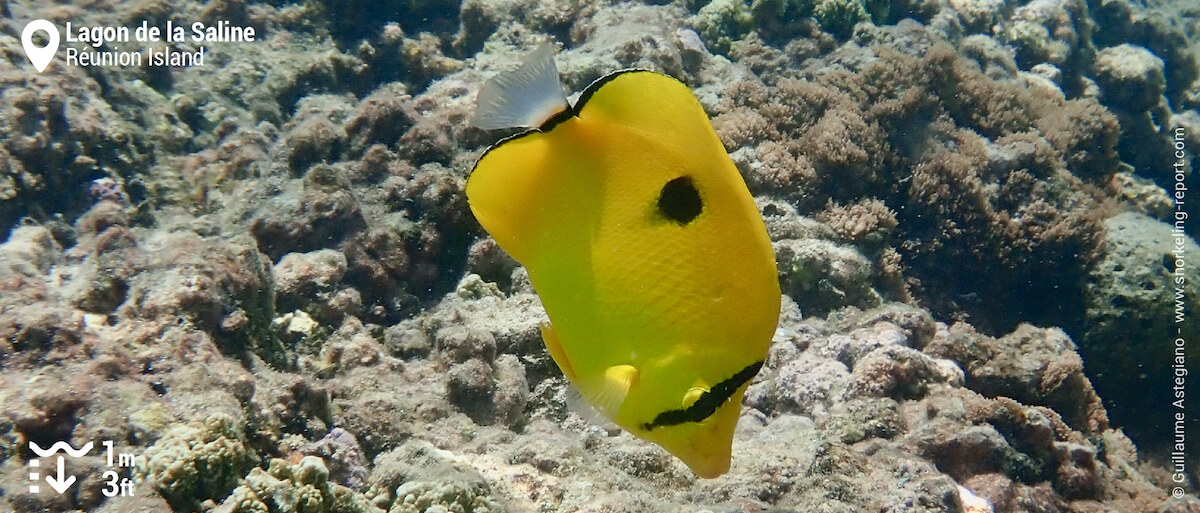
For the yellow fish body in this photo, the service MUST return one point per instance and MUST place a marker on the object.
(648, 253)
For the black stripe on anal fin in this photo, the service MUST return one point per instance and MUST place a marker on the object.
(708, 403)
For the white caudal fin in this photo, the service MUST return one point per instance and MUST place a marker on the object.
(524, 97)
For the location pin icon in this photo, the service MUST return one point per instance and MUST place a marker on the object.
(40, 57)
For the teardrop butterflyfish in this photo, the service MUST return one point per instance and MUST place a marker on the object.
(643, 243)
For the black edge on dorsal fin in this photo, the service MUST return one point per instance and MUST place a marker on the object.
(708, 403)
(587, 95)
(573, 111)
(497, 144)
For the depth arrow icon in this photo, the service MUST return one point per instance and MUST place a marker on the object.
(63, 482)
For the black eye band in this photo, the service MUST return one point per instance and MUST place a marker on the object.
(708, 403)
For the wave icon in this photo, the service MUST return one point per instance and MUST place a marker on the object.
(60, 446)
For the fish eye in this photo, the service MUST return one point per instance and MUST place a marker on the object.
(679, 200)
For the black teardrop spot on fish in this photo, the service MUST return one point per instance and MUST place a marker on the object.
(679, 200)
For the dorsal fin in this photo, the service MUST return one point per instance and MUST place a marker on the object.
(524, 97)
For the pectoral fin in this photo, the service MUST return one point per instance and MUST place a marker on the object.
(605, 392)
(609, 391)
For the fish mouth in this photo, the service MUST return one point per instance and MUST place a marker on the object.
(706, 447)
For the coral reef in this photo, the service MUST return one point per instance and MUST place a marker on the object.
(431, 497)
(194, 462)
(58, 134)
(1016, 209)
(346, 464)
(302, 487)
(1130, 77)
(260, 275)
(1129, 289)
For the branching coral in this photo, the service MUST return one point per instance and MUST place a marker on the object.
(869, 221)
(783, 170)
